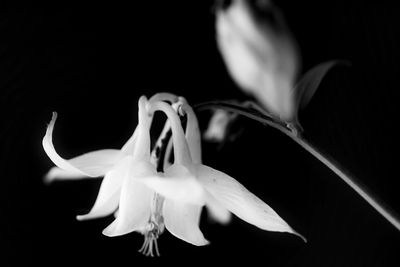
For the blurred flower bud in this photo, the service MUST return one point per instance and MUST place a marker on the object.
(218, 126)
(260, 53)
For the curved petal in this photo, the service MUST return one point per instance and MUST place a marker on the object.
(141, 151)
(216, 211)
(164, 97)
(92, 164)
(192, 133)
(129, 146)
(167, 157)
(109, 193)
(182, 220)
(56, 173)
(177, 184)
(241, 202)
(181, 148)
(134, 203)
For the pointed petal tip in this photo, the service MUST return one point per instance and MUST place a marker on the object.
(300, 235)
(205, 243)
(83, 217)
(50, 176)
(114, 230)
(48, 179)
(109, 231)
(290, 230)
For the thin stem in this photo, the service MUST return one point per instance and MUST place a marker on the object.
(288, 130)
(350, 181)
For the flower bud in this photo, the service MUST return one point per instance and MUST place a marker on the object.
(260, 53)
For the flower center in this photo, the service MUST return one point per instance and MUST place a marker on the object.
(154, 228)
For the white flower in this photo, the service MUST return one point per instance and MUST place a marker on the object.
(189, 182)
(147, 200)
(261, 57)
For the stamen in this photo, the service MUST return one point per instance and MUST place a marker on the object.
(155, 227)
(147, 249)
(150, 239)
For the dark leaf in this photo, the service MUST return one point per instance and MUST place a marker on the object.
(309, 83)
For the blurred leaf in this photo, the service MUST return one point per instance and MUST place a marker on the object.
(309, 83)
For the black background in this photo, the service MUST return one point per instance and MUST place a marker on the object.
(91, 63)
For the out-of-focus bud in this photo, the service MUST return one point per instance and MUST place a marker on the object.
(218, 126)
(260, 53)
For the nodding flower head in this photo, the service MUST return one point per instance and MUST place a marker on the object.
(146, 193)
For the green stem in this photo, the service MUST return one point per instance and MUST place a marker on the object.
(287, 129)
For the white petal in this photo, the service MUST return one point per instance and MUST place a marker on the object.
(98, 162)
(56, 173)
(192, 134)
(216, 211)
(164, 97)
(244, 204)
(109, 193)
(181, 148)
(178, 184)
(129, 146)
(182, 220)
(92, 164)
(135, 202)
(168, 150)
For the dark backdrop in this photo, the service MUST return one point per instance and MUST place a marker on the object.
(90, 63)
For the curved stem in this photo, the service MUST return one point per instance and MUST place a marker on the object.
(287, 129)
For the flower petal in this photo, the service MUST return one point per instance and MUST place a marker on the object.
(92, 164)
(129, 146)
(216, 211)
(56, 173)
(109, 193)
(135, 202)
(141, 149)
(178, 184)
(182, 220)
(192, 133)
(181, 148)
(244, 204)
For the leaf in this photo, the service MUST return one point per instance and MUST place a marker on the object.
(310, 82)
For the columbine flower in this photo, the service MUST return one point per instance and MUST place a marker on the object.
(119, 189)
(260, 56)
(147, 200)
(190, 184)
